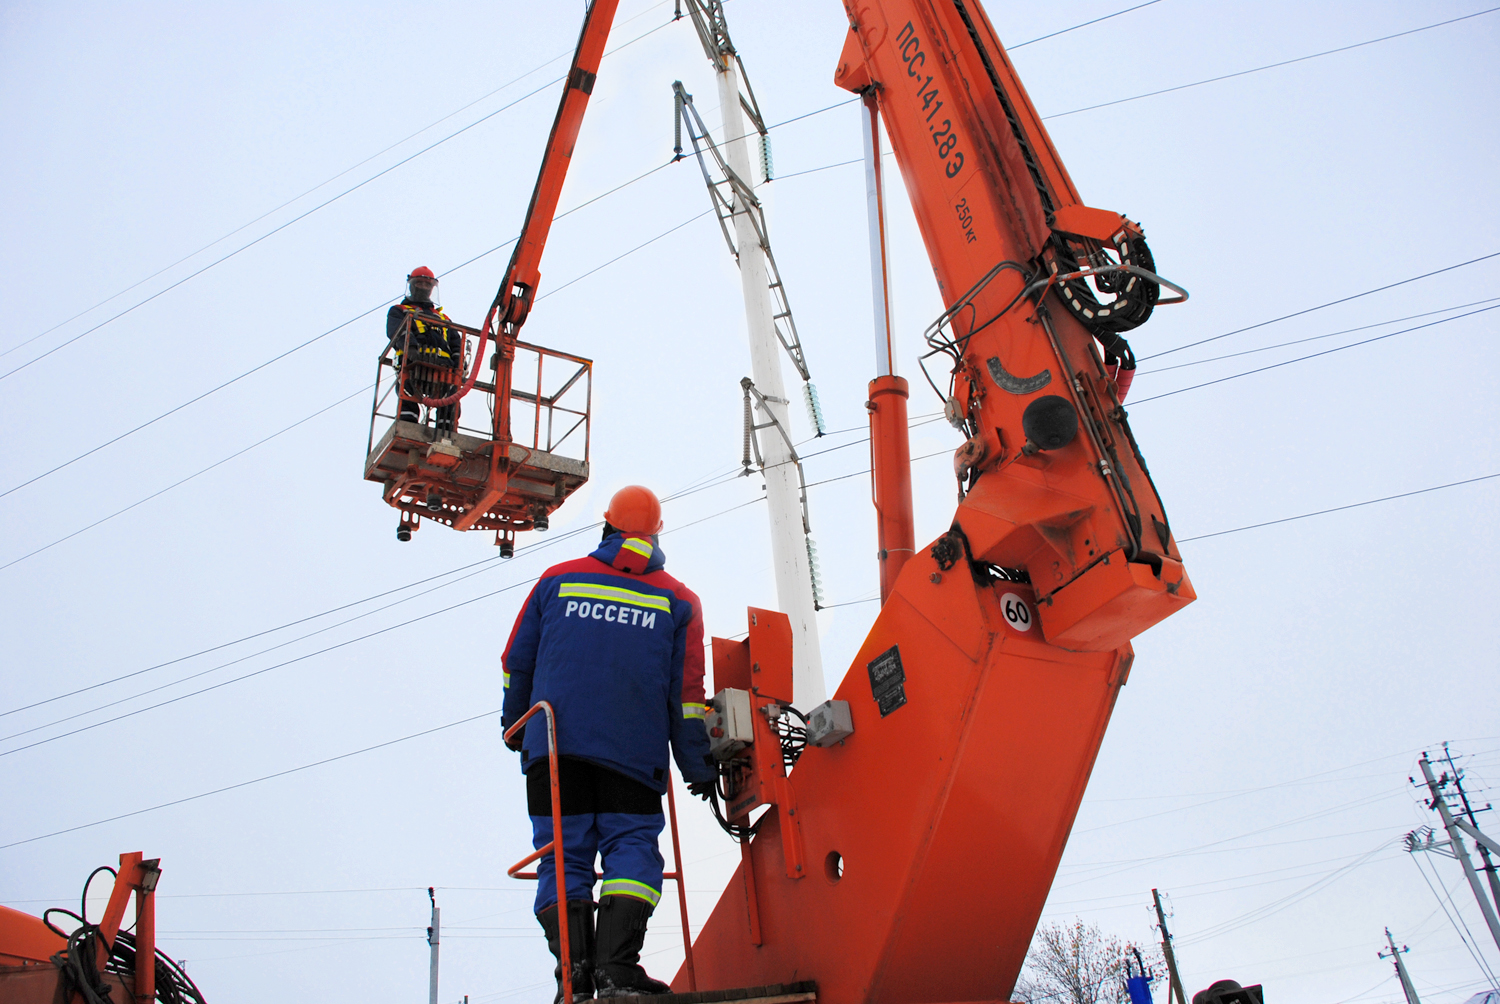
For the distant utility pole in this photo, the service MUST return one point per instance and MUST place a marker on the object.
(1395, 953)
(1456, 828)
(433, 936)
(1166, 950)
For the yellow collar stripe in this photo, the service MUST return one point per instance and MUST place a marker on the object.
(614, 594)
(641, 547)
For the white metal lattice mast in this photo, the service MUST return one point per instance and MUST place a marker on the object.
(765, 305)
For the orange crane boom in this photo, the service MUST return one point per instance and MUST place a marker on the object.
(907, 857)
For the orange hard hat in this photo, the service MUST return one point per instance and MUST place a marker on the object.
(421, 272)
(634, 509)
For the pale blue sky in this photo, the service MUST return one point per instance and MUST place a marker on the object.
(1267, 732)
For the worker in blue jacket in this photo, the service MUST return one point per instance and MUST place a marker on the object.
(615, 645)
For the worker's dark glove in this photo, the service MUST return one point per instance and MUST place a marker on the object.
(703, 789)
(515, 742)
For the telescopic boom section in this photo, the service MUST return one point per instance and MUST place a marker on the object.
(518, 289)
(1051, 481)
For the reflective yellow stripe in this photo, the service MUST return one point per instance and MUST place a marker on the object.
(628, 887)
(507, 680)
(689, 710)
(641, 547)
(615, 594)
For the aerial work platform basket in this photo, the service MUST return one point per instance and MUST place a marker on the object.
(505, 472)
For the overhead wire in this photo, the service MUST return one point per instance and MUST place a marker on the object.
(339, 645)
(327, 181)
(1260, 913)
(179, 483)
(1352, 505)
(715, 480)
(479, 571)
(1242, 527)
(1197, 849)
(1313, 338)
(785, 122)
(1064, 31)
(1321, 306)
(302, 216)
(1314, 355)
(364, 314)
(303, 345)
(1268, 66)
(1464, 935)
(257, 780)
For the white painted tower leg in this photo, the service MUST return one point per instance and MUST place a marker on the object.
(788, 541)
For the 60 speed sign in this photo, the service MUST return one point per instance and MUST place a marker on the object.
(1018, 613)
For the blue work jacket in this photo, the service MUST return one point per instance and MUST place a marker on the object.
(615, 645)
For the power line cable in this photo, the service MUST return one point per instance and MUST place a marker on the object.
(249, 637)
(339, 327)
(245, 658)
(321, 184)
(1313, 338)
(190, 477)
(715, 480)
(1468, 942)
(1352, 505)
(1314, 355)
(1321, 306)
(259, 672)
(304, 215)
(1039, 38)
(320, 411)
(558, 540)
(1269, 66)
(1276, 906)
(280, 665)
(1198, 849)
(258, 780)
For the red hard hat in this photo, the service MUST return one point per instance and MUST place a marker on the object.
(421, 272)
(634, 509)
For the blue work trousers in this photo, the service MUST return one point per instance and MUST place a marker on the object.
(606, 815)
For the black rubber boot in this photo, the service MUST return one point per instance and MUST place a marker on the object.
(580, 947)
(617, 954)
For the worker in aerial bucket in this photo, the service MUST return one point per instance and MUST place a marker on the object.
(615, 645)
(434, 347)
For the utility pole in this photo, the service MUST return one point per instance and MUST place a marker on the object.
(433, 936)
(1406, 985)
(1456, 838)
(1166, 950)
(791, 553)
(1483, 843)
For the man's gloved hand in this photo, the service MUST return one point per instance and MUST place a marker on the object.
(703, 789)
(515, 742)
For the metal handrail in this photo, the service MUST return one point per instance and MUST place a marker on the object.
(545, 439)
(556, 847)
(556, 844)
